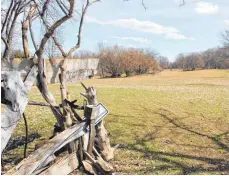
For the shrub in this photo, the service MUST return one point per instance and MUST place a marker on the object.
(114, 61)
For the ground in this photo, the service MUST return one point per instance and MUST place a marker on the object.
(173, 122)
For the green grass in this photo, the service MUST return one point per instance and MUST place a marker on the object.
(171, 123)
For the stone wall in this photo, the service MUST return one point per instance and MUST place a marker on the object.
(77, 69)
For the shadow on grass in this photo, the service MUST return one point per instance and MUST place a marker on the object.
(175, 160)
(215, 139)
(14, 143)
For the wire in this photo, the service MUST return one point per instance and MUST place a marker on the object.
(26, 134)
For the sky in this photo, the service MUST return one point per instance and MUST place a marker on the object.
(164, 26)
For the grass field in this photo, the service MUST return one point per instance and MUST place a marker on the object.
(173, 122)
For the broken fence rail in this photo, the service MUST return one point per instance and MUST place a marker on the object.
(37, 162)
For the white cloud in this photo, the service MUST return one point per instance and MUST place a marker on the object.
(177, 36)
(206, 8)
(141, 26)
(226, 22)
(136, 39)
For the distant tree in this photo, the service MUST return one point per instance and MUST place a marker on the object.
(179, 62)
(129, 62)
(110, 61)
(164, 62)
(215, 58)
(84, 54)
(225, 38)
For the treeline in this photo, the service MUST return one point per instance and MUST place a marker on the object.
(216, 58)
(115, 61)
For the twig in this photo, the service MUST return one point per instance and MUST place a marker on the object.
(143, 4)
(35, 103)
(183, 3)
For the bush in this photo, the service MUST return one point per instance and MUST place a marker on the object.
(114, 61)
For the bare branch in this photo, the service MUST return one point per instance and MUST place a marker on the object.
(143, 5)
(23, 6)
(5, 42)
(32, 34)
(94, 2)
(7, 14)
(45, 7)
(9, 18)
(51, 30)
(54, 38)
(183, 3)
(61, 7)
(64, 54)
(84, 10)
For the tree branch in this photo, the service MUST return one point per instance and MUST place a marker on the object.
(61, 7)
(7, 15)
(143, 4)
(51, 30)
(32, 34)
(5, 42)
(84, 10)
(183, 3)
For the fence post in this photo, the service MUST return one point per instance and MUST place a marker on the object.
(90, 113)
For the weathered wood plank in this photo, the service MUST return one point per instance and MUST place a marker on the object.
(18, 96)
(63, 166)
(101, 133)
(92, 128)
(38, 159)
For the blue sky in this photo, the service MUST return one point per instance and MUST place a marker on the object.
(165, 26)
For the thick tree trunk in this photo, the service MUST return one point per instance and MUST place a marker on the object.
(48, 96)
(55, 69)
(6, 53)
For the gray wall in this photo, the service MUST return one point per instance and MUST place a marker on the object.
(77, 69)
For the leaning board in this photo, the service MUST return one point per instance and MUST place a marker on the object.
(38, 160)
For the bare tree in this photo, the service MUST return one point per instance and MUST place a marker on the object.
(215, 58)
(25, 28)
(11, 16)
(117, 60)
(84, 54)
(164, 62)
(225, 38)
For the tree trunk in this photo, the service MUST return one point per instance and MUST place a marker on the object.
(48, 96)
(25, 26)
(6, 53)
